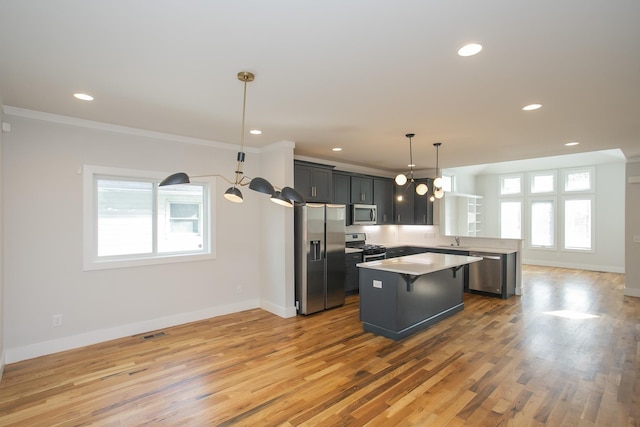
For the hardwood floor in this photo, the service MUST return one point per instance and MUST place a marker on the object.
(496, 363)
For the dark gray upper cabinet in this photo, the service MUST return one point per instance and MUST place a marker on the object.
(404, 204)
(341, 188)
(342, 192)
(361, 190)
(423, 206)
(383, 199)
(313, 181)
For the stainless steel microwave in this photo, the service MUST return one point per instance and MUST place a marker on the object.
(364, 214)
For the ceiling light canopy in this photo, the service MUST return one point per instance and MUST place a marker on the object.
(286, 196)
(470, 49)
(572, 143)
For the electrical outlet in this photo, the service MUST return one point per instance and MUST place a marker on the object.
(377, 284)
(57, 320)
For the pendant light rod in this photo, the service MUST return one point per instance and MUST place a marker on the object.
(245, 77)
(437, 145)
(410, 135)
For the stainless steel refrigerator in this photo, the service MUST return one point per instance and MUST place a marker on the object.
(319, 256)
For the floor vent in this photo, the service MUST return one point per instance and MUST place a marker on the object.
(152, 336)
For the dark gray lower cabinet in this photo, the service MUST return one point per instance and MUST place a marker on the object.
(351, 284)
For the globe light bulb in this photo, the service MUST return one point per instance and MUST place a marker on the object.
(422, 189)
(401, 179)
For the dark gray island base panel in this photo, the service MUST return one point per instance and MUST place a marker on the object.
(405, 304)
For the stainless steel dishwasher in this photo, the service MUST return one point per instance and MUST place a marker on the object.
(486, 275)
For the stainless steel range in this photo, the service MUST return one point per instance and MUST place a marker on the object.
(369, 252)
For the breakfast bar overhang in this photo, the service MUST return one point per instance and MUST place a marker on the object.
(401, 296)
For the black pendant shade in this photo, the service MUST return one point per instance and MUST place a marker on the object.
(280, 200)
(176, 178)
(293, 195)
(261, 185)
(233, 195)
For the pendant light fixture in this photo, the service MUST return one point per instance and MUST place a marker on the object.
(286, 196)
(402, 179)
(438, 192)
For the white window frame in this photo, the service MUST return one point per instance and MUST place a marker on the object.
(592, 180)
(554, 225)
(91, 259)
(580, 196)
(511, 200)
(511, 176)
(533, 175)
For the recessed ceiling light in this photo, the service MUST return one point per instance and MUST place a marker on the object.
(336, 149)
(83, 96)
(532, 107)
(255, 132)
(470, 49)
(572, 143)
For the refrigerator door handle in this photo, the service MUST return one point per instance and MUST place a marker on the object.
(316, 253)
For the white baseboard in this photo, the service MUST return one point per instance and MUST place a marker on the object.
(30, 351)
(278, 310)
(1, 365)
(632, 292)
(588, 267)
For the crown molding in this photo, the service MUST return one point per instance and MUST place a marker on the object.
(90, 124)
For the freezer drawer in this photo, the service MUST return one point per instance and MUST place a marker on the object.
(486, 275)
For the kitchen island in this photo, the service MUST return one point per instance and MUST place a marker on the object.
(400, 296)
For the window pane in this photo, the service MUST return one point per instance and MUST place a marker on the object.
(446, 183)
(542, 223)
(510, 185)
(510, 220)
(577, 224)
(125, 217)
(180, 218)
(542, 184)
(578, 181)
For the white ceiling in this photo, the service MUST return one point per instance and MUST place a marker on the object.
(358, 74)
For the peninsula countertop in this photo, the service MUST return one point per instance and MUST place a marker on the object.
(419, 264)
(470, 248)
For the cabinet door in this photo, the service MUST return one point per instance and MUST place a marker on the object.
(302, 181)
(341, 188)
(383, 199)
(404, 204)
(361, 190)
(313, 183)
(423, 206)
(322, 185)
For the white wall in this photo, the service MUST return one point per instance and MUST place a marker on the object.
(276, 245)
(632, 221)
(608, 215)
(2, 357)
(43, 238)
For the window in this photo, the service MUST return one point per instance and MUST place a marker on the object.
(578, 180)
(447, 183)
(511, 219)
(542, 223)
(578, 224)
(543, 182)
(510, 185)
(130, 220)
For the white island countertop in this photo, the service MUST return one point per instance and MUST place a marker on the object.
(419, 264)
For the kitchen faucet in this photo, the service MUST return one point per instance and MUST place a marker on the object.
(457, 239)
